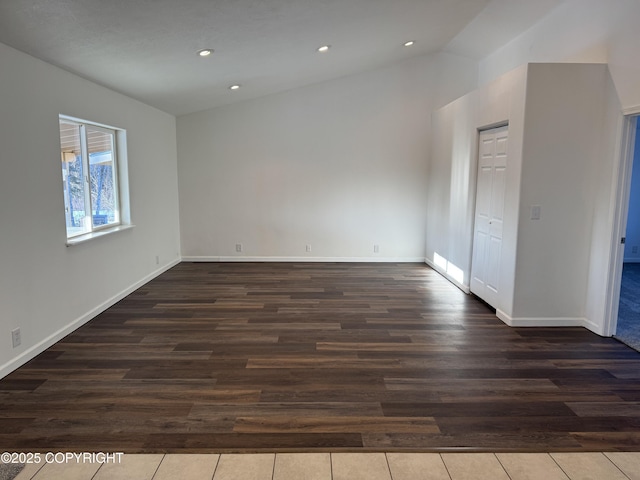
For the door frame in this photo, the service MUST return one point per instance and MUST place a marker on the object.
(622, 193)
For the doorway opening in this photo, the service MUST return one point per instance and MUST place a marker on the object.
(628, 320)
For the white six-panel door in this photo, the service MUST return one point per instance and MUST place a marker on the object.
(487, 238)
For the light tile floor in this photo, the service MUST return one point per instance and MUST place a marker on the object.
(349, 466)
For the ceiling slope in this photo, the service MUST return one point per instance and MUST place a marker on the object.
(146, 49)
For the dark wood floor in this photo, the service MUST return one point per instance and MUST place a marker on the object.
(287, 357)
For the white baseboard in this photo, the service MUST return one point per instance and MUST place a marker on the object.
(461, 286)
(595, 328)
(240, 258)
(544, 321)
(40, 347)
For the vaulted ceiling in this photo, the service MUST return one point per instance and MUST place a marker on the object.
(147, 49)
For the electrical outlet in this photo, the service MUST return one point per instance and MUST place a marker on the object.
(238, 247)
(308, 248)
(376, 249)
(16, 338)
(634, 249)
(157, 259)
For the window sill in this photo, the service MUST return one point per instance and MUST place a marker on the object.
(100, 233)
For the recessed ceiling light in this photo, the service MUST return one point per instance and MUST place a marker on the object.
(234, 87)
(205, 52)
(409, 43)
(324, 48)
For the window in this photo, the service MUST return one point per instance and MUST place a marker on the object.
(89, 176)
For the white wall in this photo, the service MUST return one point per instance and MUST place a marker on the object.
(560, 158)
(46, 288)
(601, 31)
(452, 179)
(633, 218)
(563, 156)
(340, 166)
(604, 183)
(580, 31)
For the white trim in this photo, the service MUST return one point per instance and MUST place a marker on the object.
(621, 187)
(631, 260)
(71, 119)
(305, 259)
(594, 327)
(544, 321)
(631, 111)
(97, 234)
(40, 347)
(493, 126)
(461, 286)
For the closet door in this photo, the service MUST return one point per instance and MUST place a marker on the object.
(487, 237)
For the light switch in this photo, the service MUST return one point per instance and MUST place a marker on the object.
(535, 212)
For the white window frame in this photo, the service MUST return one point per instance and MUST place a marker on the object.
(119, 171)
